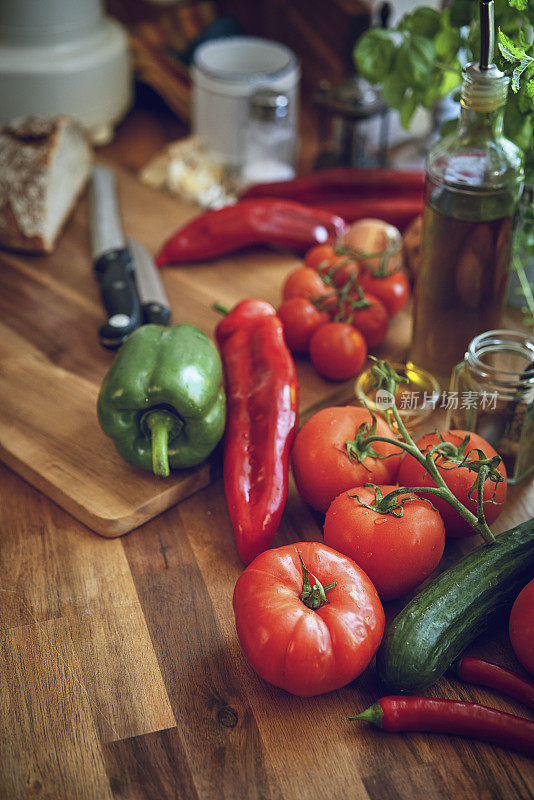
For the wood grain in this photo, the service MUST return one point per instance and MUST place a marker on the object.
(50, 369)
(49, 434)
(121, 677)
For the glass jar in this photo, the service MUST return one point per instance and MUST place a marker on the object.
(492, 393)
(269, 140)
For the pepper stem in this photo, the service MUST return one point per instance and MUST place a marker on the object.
(373, 714)
(161, 423)
(220, 308)
(313, 596)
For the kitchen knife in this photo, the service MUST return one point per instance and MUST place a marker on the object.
(154, 303)
(112, 262)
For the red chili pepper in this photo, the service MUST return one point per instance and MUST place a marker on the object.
(484, 673)
(395, 196)
(337, 181)
(398, 713)
(261, 422)
(398, 211)
(266, 221)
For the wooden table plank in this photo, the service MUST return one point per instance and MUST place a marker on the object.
(59, 571)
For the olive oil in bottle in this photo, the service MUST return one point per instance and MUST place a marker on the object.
(474, 181)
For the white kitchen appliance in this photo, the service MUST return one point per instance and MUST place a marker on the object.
(64, 57)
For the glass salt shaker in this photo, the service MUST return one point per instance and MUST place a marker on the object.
(492, 394)
(270, 139)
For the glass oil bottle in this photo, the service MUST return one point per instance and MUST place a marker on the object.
(474, 180)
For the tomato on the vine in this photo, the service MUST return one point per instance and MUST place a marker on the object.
(300, 319)
(336, 267)
(458, 478)
(308, 626)
(304, 282)
(325, 461)
(392, 290)
(398, 549)
(337, 351)
(341, 271)
(319, 255)
(521, 627)
(367, 314)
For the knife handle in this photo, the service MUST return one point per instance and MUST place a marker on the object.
(115, 274)
(155, 313)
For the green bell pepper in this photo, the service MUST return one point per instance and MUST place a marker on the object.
(162, 402)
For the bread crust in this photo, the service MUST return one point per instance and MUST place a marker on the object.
(27, 149)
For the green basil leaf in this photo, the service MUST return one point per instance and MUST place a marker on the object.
(518, 122)
(374, 54)
(461, 12)
(414, 60)
(516, 75)
(408, 108)
(509, 50)
(441, 84)
(393, 90)
(447, 43)
(423, 21)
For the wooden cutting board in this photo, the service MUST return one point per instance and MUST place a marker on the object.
(51, 364)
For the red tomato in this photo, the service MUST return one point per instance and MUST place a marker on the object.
(302, 650)
(521, 627)
(304, 282)
(392, 290)
(337, 351)
(397, 553)
(320, 255)
(458, 479)
(300, 318)
(322, 467)
(340, 271)
(371, 320)
(333, 264)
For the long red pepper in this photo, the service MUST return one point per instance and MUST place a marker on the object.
(484, 673)
(261, 422)
(266, 221)
(398, 713)
(395, 196)
(335, 181)
(398, 211)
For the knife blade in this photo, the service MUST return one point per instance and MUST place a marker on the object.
(154, 303)
(112, 262)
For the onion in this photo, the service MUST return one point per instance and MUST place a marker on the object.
(375, 236)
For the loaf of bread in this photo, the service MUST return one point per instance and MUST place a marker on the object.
(44, 166)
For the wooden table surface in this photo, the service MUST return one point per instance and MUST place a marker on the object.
(121, 675)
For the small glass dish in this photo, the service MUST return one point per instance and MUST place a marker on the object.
(416, 400)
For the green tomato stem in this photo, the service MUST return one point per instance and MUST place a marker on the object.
(441, 489)
(387, 378)
(313, 596)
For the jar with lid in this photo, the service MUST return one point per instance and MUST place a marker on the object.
(492, 393)
(270, 139)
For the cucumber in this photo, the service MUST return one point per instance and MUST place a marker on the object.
(437, 625)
